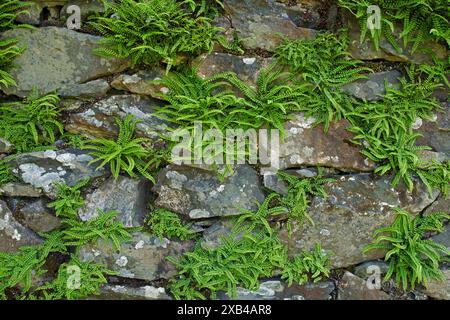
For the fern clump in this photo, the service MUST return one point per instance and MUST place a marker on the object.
(237, 262)
(324, 63)
(314, 265)
(418, 20)
(153, 31)
(69, 200)
(64, 286)
(164, 223)
(299, 191)
(128, 153)
(22, 267)
(32, 123)
(6, 175)
(9, 10)
(411, 258)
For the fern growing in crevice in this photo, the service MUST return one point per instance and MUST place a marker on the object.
(417, 19)
(163, 223)
(68, 200)
(6, 175)
(153, 31)
(31, 123)
(128, 153)
(412, 260)
(324, 64)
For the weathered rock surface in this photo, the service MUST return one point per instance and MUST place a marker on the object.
(91, 89)
(439, 289)
(262, 24)
(12, 234)
(144, 257)
(199, 194)
(122, 292)
(127, 196)
(369, 268)
(372, 88)
(306, 145)
(140, 82)
(97, 120)
(5, 146)
(56, 58)
(246, 68)
(356, 205)
(279, 290)
(14, 189)
(351, 287)
(36, 216)
(43, 169)
(441, 204)
(436, 134)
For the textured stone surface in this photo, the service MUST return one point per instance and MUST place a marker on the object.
(5, 146)
(126, 195)
(355, 207)
(306, 145)
(352, 287)
(56, 58)
(36, 216)
(436, 134)
(12, 234)
(279, 290)
(140, 82)
(366, 269)
(144, 257)
(91, 89)
(43, 169)
(122, 292)
(14, 189)
(372, 88)
(439, 289)
(97, 119)
(261, 24)
(199, 194)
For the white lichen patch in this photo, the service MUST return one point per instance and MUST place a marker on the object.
(199, 213)
(139, 245)
(122, 261)
(249, 60)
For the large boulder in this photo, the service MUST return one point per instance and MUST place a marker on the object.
(57, 58)
(356, 206)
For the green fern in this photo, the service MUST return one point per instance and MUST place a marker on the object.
(324, 64)
(419, 20)
(314, 265)
(69, 200)
(6, 175)
(151, 31)
(32, 123)
(127, 153)
(411, 258)
(163, 223)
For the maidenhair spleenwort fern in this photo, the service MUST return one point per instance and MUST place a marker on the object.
(153, 31)
(324, 64)
(412, 260)
(164, 223)
(31, 123)
(417, 20)
(128, 153)
(9, 10)
(69, 200)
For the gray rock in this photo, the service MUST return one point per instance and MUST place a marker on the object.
(262, 24)
(351, 287)
(366, 269)
(443, 237)
(140, 82)
(36, 216)
(43, 169)
(199, 194)
(306, 145)
(279, 290)
(439, 289)
(356, 205)
(91, 89)
(436, 134)
(56, 58)
(122, 292)
(144, 257)
(14, 189)
(372, 88)
(12, 234)
(246, 68)
(97, 120)
(5, 146)
(441, 204)
(126, 195)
